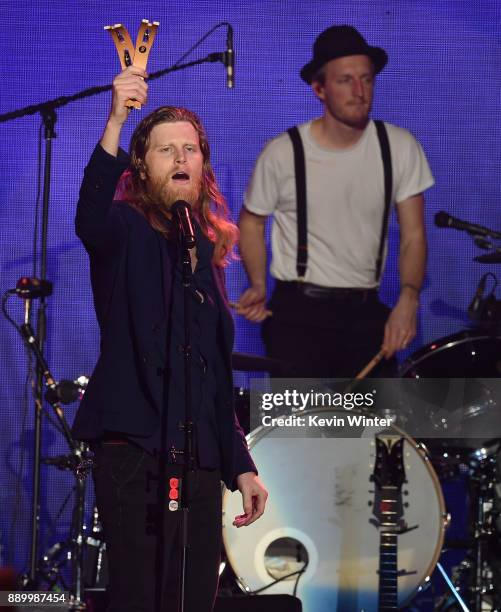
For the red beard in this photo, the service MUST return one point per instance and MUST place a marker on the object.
(165, 193)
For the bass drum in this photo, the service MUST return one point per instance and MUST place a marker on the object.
(319, 518)
(467, 354)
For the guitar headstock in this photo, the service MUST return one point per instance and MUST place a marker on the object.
(388, 477)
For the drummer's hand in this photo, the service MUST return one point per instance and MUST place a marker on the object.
(129, 84)
(252, 304)
(400, 328)
(254, 497)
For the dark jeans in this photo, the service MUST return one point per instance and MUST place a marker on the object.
(331, 337)
(143, 536)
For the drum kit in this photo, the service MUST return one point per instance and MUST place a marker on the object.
(367, 524)
(322, 536)
(318, 537)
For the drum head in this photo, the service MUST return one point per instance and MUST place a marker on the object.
(320, 511)
(470, 355)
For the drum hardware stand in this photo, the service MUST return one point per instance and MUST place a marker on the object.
(42, 290)
(486, 310)
(49, 568)
(452, 588)
(484, 476)
(97, 578)
(80, 462)
(79, 459)
(471, 576)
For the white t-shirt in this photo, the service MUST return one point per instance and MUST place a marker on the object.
(345, 202)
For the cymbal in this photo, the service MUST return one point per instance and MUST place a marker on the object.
(494, 257)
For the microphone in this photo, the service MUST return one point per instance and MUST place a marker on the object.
(182, 212)
(229, 59)
(442, 219)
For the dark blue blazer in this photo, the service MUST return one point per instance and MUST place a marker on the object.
(131, 273)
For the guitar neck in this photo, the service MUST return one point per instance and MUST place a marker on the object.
(388, 570)
(389, 476)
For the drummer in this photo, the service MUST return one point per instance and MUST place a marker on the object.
(333, 323)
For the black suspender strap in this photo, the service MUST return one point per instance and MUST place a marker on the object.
(388, 186)
(300, 172)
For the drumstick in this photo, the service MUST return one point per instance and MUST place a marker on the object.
(363, 373)
(371, 365)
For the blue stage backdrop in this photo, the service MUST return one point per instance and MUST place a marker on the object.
(442, 82)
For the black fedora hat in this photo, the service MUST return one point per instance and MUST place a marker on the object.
(340, 41)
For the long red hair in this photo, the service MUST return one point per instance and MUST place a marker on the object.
(212, 211)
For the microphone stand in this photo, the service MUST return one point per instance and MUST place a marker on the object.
(51, 105)
(81, 464)
(49, 118)
(189, 451)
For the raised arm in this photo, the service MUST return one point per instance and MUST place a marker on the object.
(95, 224)
(129, 84)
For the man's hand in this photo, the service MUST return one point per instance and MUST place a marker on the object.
(129, 84)
(400, 328)
(252, 304)
(254, 497)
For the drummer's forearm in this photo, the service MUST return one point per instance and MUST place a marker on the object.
(412, 259)
(412, 265)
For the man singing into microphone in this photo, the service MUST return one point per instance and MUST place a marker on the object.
(133, 409)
